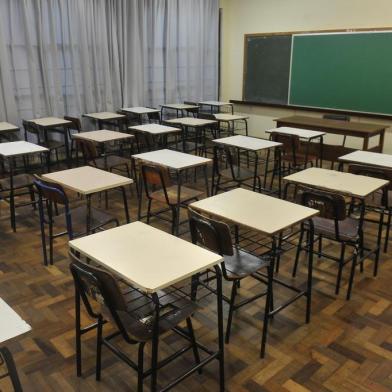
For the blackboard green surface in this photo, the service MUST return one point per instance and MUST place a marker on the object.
(345, 71)
(267, 68)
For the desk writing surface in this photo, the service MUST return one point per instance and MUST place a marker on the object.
(191, 121)
(11, 324)
(338, 125)
(229, 117)
(140, 110)
(11, 149)
(259, 212)
(155, 129)
(368, 158)
(104, 116)
(302, 133)
(335, 181)
(172, 159)
(87, 180)
(215, 103)
(247, 142)
(144, 256)
(7, 127)
(102, 136)
(179, 106)
(50, 122)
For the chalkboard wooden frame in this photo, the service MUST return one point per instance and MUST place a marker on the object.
(305, 108)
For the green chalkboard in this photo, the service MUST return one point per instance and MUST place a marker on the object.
(267, 68)
(345, 71)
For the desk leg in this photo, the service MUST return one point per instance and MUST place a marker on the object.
(321, 150)
(67, 154)
(381, 141)
(124, 194)
(310, 271)
(255, 173)
(140, 195)
(365, 143)
(279, 152)
(206, 180)
(220, 329)
(178, 206)
(88, 214)
(155, 342)
(12, 196)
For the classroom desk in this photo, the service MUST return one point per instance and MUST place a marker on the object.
(55, 123)
(180, 108)
(139, 111)
(88, 180)
(11, 150)
(155, 131)
(304, 134)
(11, 326)
(6, 128)
(105, 117)
(269, 216)
(345, 128)
(253, 145)
(218, 105)
(368, 158)
(178, 162)
(230, 120)
(191, 122)
(153, 260)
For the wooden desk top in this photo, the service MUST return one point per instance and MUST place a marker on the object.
(102, 136)
(47, 122)
(247, 143)
(172, 159)
(259, 212)
(7, 127)
(339, 182)
(368, 158)
(140, 110)
(155, 129)
(179, 106)
(191, 121)
(302, 133)
(337, 125)
(11, 325)
(144, 256)
(229, 117)
(104, 116)
(12, 149)
(215, 103)
(87, 180)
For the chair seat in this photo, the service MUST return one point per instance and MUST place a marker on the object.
(348, 228)
(98, 219)
(300, 159)
(186, 194)
(112, 161)
(139, 318)
(242, 264)
(240, 173)
(19, 180)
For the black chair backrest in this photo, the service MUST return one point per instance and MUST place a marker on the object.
(76, 123)
(232, 159)
(154, 117)
(88, 148)
(98, 287)
(372, 171)
(155, 178)
(330, 205)
(30, 127)
(193, 111)
(50, 191)
(338, 117)
(290, 143)
(211, 234)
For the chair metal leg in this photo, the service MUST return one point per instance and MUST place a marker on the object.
(299, 248)
(231, 310)
(387, 230)
(193, 342)
(148, 210)
(352, 272)
(78, 335)
(11, 368)
(341, 265)
(99, 349)
(140, 367)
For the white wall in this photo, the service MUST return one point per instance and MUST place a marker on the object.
(240, 17)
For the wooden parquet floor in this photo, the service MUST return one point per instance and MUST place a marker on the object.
(346, 347)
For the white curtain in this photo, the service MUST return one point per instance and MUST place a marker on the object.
(75, 56)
